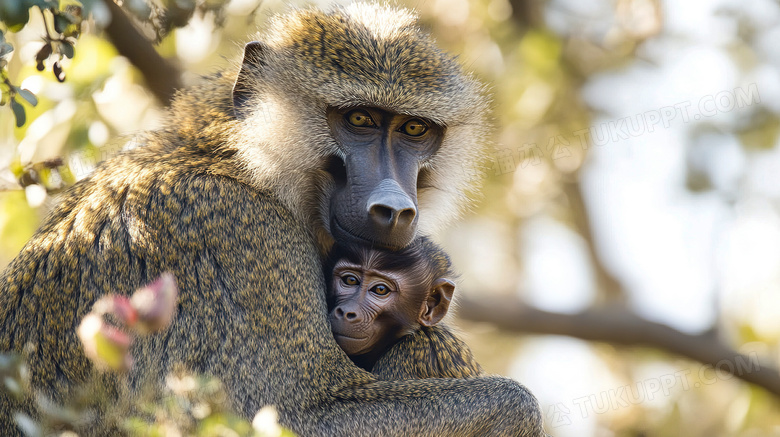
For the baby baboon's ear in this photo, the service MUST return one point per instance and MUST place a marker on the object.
(438, 303)
(255, 54)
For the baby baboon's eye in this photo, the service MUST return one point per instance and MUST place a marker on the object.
(360, 118)
(380, 289)
(350, 280)
(414, 128)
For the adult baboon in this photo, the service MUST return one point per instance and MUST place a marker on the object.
(348, 124)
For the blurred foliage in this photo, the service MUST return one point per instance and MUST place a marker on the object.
(62, 26)
(189, 405)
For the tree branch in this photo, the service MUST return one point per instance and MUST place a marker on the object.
(161, 76)
(622, 327)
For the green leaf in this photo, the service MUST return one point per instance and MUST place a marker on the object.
(60, 22)
(15, 14)
(66, 49)
(5, 48)
(18, 109)
(27, 95)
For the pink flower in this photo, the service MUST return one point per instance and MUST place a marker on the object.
(106, 345)
(155, 304)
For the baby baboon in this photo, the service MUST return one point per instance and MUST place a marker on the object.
(377, 297)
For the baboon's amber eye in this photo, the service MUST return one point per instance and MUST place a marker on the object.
(360, 118)
(414, 128)
(350, 280)
(380, 289)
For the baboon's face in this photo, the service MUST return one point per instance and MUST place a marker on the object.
(375, 200)
(372, 308)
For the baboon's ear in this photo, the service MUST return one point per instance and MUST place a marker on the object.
(438, 303)
(255, 54)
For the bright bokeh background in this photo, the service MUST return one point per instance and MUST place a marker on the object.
(664, 116)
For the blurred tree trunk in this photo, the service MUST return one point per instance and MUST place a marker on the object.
(161, 76)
